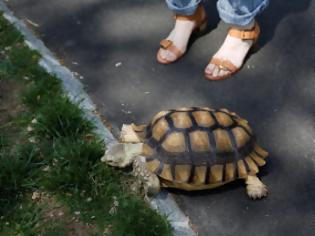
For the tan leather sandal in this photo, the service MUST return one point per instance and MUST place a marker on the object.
(201, 24)
(226, 65)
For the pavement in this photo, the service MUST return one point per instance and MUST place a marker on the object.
(112, 46)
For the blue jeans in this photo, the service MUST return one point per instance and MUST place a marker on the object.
(236, 12)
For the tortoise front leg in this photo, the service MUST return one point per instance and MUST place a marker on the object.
(150, 181)
(255, 188)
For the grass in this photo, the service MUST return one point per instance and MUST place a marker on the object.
(23, 219)
(48, 146)
(16, 174)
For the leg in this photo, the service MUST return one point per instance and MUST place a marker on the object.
(183, 29)
(150, 181)
(240, 14)
(255, 188)
(183, 7)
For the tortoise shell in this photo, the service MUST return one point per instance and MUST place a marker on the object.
(197, 148)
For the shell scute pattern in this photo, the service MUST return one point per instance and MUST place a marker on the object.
(199, 141)
(229, 171)
(224, 143)
(216, 173)
(160, 129)
(174, 143)
(201, 146)
(223, 118)
(203, 118)
(182, 172)
(200, 175)
(181, 120)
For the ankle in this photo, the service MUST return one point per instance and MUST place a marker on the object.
(184, 26)
(249, 26)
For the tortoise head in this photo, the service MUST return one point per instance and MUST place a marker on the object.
(122, 154)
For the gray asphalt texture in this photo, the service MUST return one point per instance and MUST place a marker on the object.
(113, 44)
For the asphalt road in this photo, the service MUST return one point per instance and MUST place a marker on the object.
(112, 45)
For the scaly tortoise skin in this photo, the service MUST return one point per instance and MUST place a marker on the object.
(200, 148)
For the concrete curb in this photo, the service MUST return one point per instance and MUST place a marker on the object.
(163, 202)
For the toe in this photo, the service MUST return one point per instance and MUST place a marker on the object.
(163, 54)
(209, 69)
(170, 56)
(215, 72)
(223, 73)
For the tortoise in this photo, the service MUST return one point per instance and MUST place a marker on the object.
(191, 149)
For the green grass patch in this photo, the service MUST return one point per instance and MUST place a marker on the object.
(50, 146)
(58, 117)
(40, 91)
(19, 173)
(23, 219)
(9, 35)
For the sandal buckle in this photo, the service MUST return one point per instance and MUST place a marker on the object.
(165, 44)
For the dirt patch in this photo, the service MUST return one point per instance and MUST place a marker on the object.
(10, 104)
(56, 213)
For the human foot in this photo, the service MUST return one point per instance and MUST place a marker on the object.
(230, 57)
(175, 45)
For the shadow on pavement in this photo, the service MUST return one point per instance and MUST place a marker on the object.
(275, 13)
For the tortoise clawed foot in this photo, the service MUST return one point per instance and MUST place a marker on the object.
(255, 188)
(257, 192)
(151, 184)
(151, 189)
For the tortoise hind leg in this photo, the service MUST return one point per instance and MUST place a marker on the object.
(255, 188)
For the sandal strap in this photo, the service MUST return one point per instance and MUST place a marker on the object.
(251, 34)
(169, 45)
(224, 64)
(199, 16)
